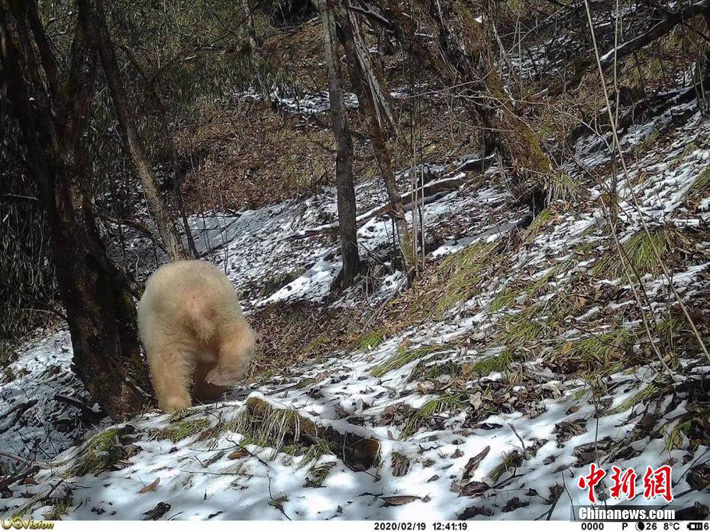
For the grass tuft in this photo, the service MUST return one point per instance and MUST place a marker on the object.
(59, 509)
(404, 356)
(638, 250)
(491, 364)
(370, 340)
(101, 453)
(596, 354)
(318, 473)
(463, 273)
(601, 348)
(503, 300)
(647, 393)
(700, 186)
(430, 408)
(563, 187)
(510, 462)
(213, 434)
(283, 430)
(678, 435)
(520, 328)
(182, 429)
(425, 370)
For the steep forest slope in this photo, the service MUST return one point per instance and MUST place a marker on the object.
(526, 349)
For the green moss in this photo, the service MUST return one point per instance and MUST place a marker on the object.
(404, 356)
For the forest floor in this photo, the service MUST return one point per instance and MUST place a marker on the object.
(520, 357)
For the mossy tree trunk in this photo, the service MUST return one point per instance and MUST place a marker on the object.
(466, 41)
(53, 115)
(463, 57)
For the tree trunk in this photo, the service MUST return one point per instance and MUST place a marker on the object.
(100, 311)
(249, 25)
(97, 29)
(344, 161)
(366, 93)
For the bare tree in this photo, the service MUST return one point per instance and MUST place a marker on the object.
(368, 88)
(344, 161)
(53, 113)
(97, 29)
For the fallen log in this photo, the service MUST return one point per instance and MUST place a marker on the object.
(281, 426)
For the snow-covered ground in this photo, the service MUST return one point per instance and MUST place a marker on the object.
(455, 440)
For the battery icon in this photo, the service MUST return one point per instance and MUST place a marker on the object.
(695, 526)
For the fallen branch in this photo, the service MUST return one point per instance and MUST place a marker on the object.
(640, 112)
(426, 194)
(87, 412)
(620, 52)
(25, 472)
(369, 13)
(656, 32)
(141, 228)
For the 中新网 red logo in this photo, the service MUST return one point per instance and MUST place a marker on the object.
(656, 482)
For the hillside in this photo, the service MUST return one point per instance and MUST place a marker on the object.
(522, 348)
(556, 318)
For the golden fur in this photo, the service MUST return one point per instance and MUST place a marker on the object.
(193, 331)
